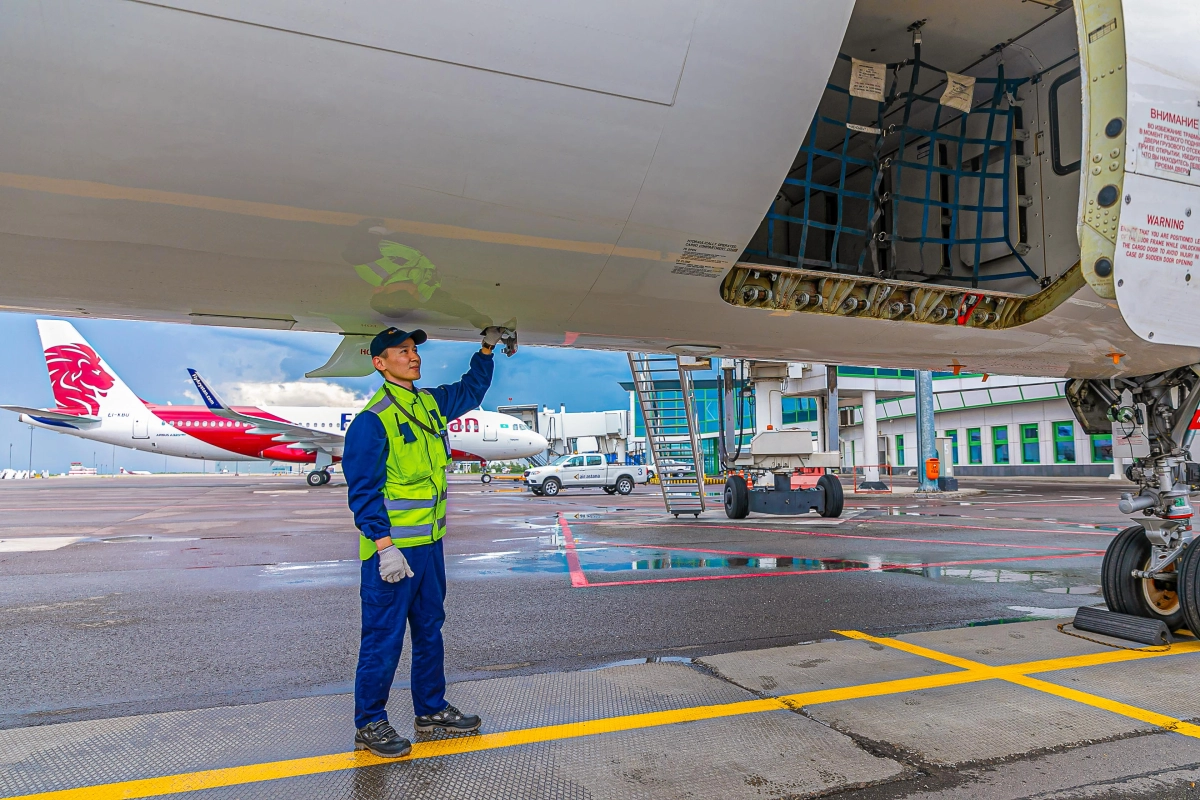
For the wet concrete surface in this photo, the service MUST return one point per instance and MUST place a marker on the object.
(168, 593)
(142, 595)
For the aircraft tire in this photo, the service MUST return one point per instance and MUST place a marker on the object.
(551, 487)
(736, 497)
(834, 498)
(485, 478)
(1189, 587)
(1141, 597)
(316, 478)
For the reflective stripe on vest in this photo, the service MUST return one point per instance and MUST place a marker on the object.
(414, 490)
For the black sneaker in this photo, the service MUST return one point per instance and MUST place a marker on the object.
(381, 739)
(448, 719)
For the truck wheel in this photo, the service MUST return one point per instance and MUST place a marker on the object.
(834, 499)
(624, 484)
(736, 497)
(551, 487)
(610, 490)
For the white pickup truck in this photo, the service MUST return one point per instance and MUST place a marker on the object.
(584, 469)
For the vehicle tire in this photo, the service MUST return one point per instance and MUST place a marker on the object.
(736, 497)
(551, 487)
(834, 499)
(624, 485)
(316, 478)
(326, 476)
(610, 490)
(1189, 587)
(1140, 597)
(485, 478)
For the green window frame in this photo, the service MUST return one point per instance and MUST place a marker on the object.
(1064, 442)
(1000, 444)
(974, 446)
(1031, 451)
(899, 449)
(1102, 449)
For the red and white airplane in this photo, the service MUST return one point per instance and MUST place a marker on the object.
(93, 403)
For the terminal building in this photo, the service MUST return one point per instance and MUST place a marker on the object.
(996, 425)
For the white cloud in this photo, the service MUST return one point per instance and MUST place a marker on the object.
(290, 393)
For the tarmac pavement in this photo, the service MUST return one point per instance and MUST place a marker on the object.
(907, 649)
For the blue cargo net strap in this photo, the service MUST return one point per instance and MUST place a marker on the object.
(866, 230)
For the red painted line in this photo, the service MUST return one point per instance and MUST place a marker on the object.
(890, 538)
(983, 528)
(1092, 554)
(577, 577)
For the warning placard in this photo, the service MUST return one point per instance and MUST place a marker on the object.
(1169, 142)
(705, 259)
(1160, 239)
(960, 92)
(867, 79)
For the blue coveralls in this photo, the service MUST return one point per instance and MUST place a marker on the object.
(417, 600)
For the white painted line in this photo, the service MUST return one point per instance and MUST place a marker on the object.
(35, 544)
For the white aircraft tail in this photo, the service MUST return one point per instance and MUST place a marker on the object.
(81, 380)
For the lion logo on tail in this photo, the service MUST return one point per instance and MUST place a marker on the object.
(78, 380)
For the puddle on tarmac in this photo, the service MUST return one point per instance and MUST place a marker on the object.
(317, 573)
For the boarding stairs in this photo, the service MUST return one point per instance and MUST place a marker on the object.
(664, 392)
(537, 460)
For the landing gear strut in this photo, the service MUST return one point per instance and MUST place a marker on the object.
(1151, 569)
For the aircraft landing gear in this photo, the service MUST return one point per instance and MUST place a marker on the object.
(485, 478)
(318, 477)
(1151, 569)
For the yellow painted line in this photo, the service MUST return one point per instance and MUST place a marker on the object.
(1019, 674)
(256, 773)
(970, 672)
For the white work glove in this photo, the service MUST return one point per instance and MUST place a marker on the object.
(494, 334)
(393, 566)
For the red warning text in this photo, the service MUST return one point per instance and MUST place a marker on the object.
(1176, 119)
(1164, 222)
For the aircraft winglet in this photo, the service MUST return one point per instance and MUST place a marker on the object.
(209, 397)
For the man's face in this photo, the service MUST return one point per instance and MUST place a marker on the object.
(400, 363)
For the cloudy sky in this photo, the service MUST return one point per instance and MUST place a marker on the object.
(250, 366)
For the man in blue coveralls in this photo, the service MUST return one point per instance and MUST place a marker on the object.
(395, 460)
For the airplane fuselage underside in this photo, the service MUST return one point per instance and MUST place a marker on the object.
(342, 168)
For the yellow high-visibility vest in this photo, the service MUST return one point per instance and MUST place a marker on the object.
(414, 491)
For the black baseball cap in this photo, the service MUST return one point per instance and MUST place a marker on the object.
(394, 336)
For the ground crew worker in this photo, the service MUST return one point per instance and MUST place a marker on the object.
(395, 459)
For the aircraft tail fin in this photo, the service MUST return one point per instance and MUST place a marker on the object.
(82, 382)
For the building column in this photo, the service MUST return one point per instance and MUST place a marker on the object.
(926, 442)
(832, 438)
(870, 443)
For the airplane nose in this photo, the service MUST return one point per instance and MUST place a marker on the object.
(539, 441)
